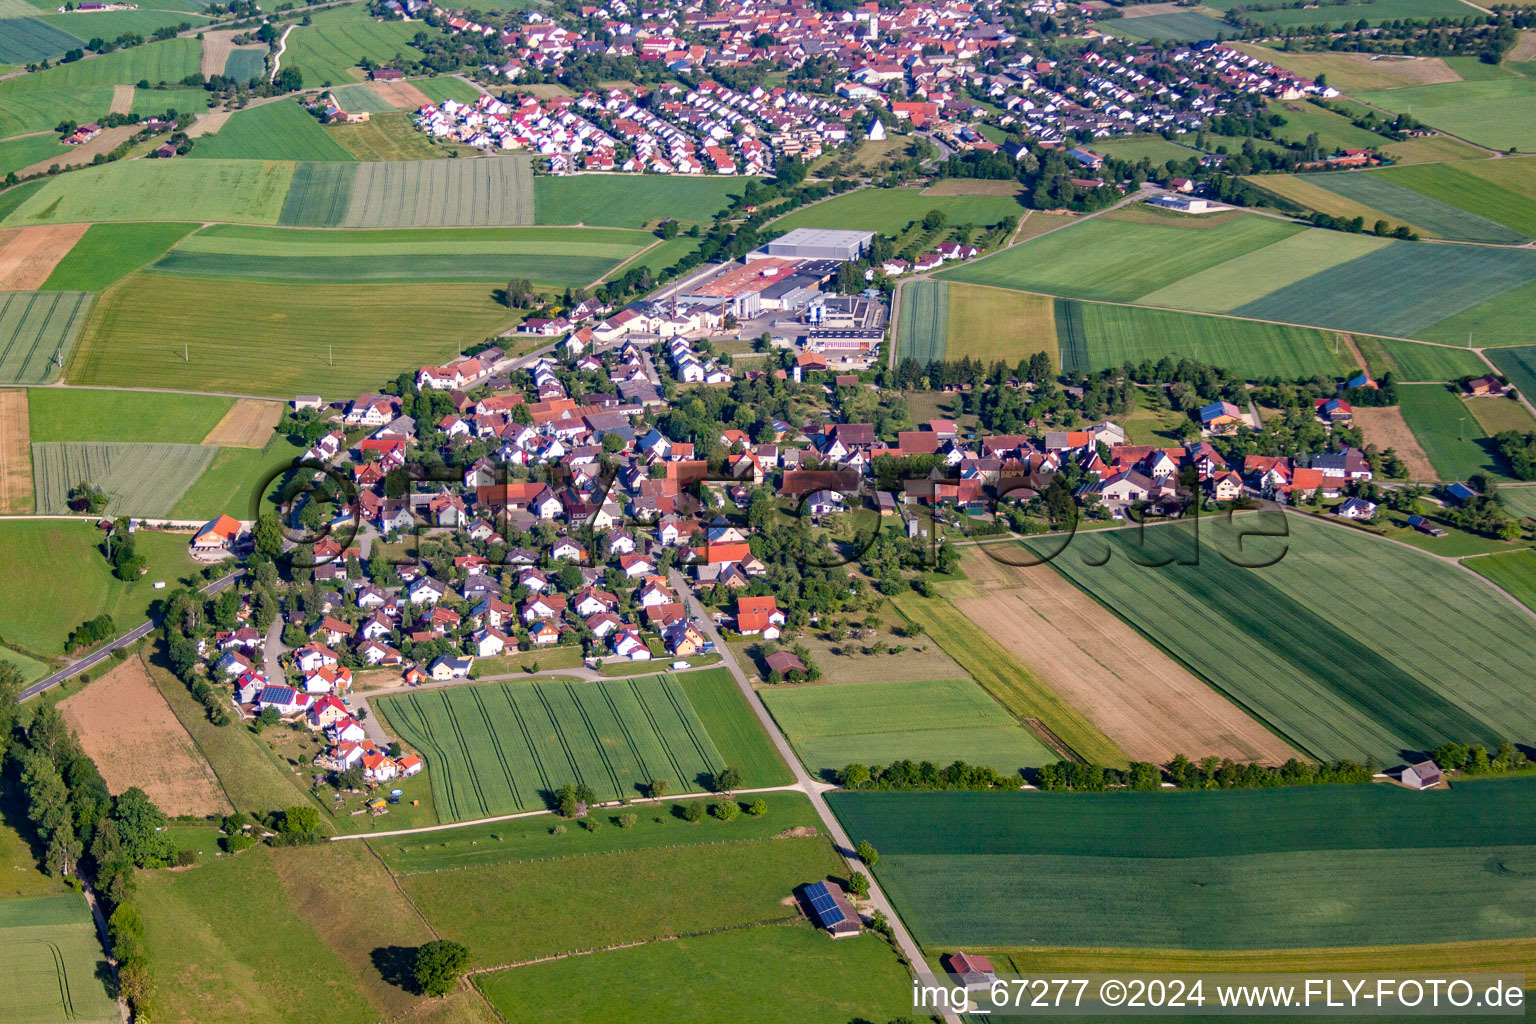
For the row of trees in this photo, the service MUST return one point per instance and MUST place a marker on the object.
(1207, 773)
(909, 775)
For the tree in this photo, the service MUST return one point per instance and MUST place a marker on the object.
(628, 819)
(267, 535)
(858, 884)
(656, 788)
(519, 293)
(726, 780)
(300, 823)
(853, 775)
(694, 811)
(758, 808)
(727, 810)
(86, 497)
(439, 966)
(138, 823)
(867, 852)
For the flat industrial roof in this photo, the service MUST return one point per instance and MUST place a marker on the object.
(822, 236)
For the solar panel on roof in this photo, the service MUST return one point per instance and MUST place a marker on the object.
(823, 905)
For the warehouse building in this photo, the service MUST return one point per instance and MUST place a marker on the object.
(817, 244)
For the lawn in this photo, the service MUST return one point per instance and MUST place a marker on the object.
(388, 135)
(62, 559)
(139, 479)
(1496, 415)
(37, 330)
(1120, 261)
(1402, 289)
(547, 256)
(83, 415)
(1176, 26)
(1254, 869)
(942, 721)
(924, 329)
(473, 192)
(523, 840)
(1498, 113)
(1333, 131)
(1426, 653)
(276, 339)
(888, 211)
(631, 201)
(998, 323)
(1515, 571)
(229, 485)
(107, 253)
(1412, 195)
(1416, 362)
(1114, 335)
(51, 961)
(186, 190)
(273, 131)
(1002, 675)
(733, 725)
(447, 87)
(794, 975)
(1448, 432)
(506, 747)
(329, 48)
(510, 913)
(1519, 365)
(1153, 147)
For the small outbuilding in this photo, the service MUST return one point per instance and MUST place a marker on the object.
(1424, 775)
(830, 909)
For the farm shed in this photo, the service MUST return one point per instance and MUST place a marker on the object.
(831, 909)
(1423, 775)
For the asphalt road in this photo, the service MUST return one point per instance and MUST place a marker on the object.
(101, 654)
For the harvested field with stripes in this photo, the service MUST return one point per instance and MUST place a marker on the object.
(507, 747)
(248, 424)
(28, 255)
(401, 95)
(36, 331)
(924, 320)
(15, 453)
(140, 479)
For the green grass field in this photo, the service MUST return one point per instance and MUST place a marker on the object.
(1415, 362)
(328, 49)
(1154, 147)
(1006, 678)
(474, 192)
(924, 320)
(1413, 195)
(1467, 187)
(387, 136)
(360, 98)
(1448, 432)
(1372, 12)
(1426, 653)
(21, 872)
(1334, 131)
(1117, 334)
(1402, 290)
(107, 253)
(1498, 113)
(1176, 26)
(447, 87)
(1520, 501)
(1254, 869)
(319, 195)
(522, 840)
(32, 149)
(140, 479)
(37, 330)
(196, 335)
(889, 211)
(111, 24)
(26, 40)
(795, 976)
(630, 201)
(230, 483)
(1519, 365)
(88, 415)
(273, 131)
(1515, 571)
(501, 748)
(246, 63)
(181, 100)
(30, 110)
(505, 913)
(733, 725)
(62, 559)
(546, 256)
(998, 323)
(876, 723)
(170, 60)
(51, 962)
(1120, 261)
(245, 191)
(663, 255)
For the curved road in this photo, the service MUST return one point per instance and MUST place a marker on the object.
(102, 653)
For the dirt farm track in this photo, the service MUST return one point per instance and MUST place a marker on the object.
(1139, 696)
